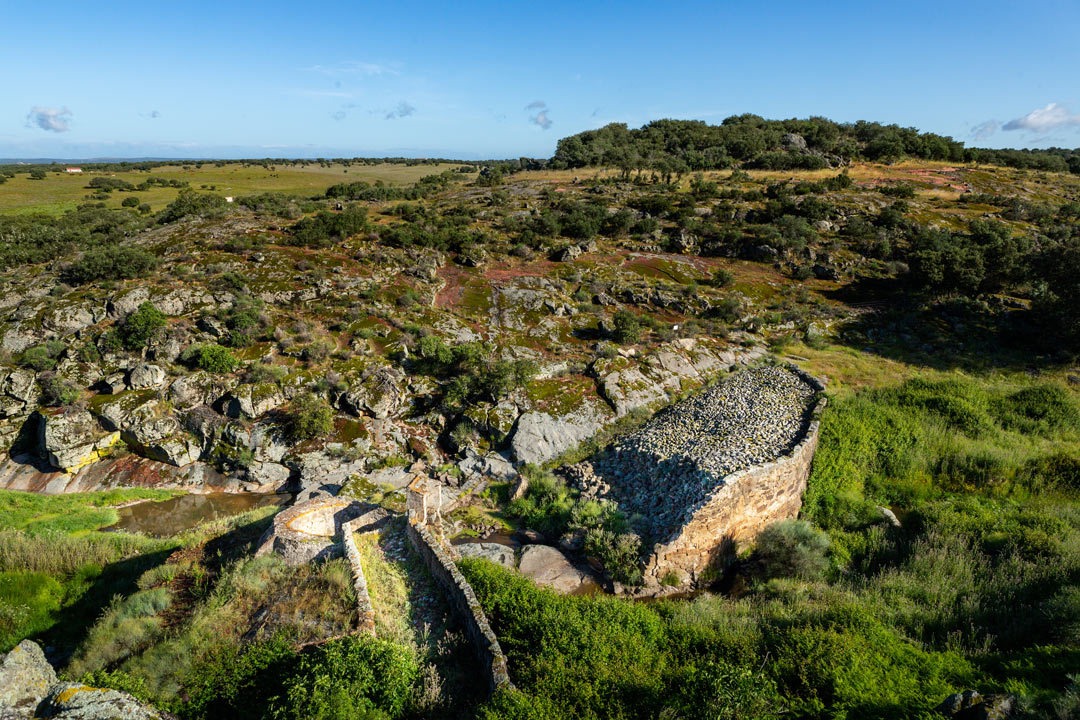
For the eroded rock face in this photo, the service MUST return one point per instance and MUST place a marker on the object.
(25, 679)
(73, 439)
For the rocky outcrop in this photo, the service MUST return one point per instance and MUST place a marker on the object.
(148, 428)
(541, 437)
(29, 689)
(25, 679)
(73, 439)
(377, 393)
(253, 400)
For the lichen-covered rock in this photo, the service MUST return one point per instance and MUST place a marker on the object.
(18, 389)
(178, 449)
(145, 375)
(378, 393)
(66, 319)
(493, 552)
(74, 701)
(490, 465)
(541, 437)
(73, 439)
(253, 400)
(125, 409)
(128, 301)
(25, 679)
(198, 388)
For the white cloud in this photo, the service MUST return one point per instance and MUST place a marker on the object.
(1043, 120)
(52, 119)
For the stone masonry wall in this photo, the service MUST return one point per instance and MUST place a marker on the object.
(463, 602)
(740, 507)
(364, 609)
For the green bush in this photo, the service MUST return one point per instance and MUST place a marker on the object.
(309, 417)
(59, 391)
(115, 262)
(140, 326)
(188, 202)
(1040, 409)
(619, 552)
(211, 357)
(42, 357)
(627, 327)
(792, 548)
(352, 678)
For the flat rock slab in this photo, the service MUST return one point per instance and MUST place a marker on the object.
(496, 553)
(545, 565)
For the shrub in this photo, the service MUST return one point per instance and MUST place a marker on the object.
(59, 391)
(111, 263)
(310, 417)
(211, 357)
(42, 357)
(627, 327)
(723, 278)
(189, 202)
(130, 201)
(619, 553)
(140, 326)
(792, 548)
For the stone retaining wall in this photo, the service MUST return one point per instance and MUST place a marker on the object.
(364, 610)
(463, 602)
(740, 507)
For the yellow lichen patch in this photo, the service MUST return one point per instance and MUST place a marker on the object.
(65, 696)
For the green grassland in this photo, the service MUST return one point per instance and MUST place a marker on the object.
(60, 191)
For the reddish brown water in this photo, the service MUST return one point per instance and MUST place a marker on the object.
(184, 512)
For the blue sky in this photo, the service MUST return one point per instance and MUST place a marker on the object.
(481, 80)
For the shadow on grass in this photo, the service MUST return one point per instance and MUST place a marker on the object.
(951, 334)
(76, 619)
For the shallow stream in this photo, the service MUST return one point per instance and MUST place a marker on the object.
(184, 512)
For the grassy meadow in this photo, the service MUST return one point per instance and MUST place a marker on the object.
(60, 192)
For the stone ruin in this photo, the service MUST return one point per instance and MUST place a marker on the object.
(709, 473)
(313, 530)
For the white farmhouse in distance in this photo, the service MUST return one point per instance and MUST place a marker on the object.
(73, 170)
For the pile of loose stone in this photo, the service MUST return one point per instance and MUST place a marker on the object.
(666, 468)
